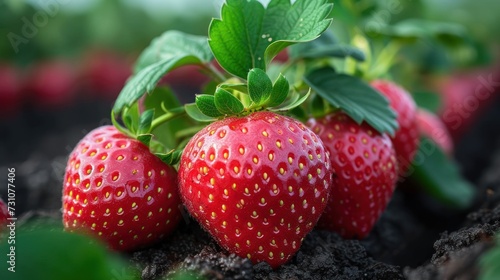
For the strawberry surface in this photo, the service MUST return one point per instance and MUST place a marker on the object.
(257, 184)
(117, 190)
(365, 174)
(406, 139)
(431, 126)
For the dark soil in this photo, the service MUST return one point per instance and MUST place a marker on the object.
(414, 239)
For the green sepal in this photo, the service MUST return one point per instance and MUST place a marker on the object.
(279, 93)
(226, 103)
(294, 100)
(194, 112)
(131, 118)
(206, 104)
(171, 158)
(145, 139)
(145, 121)
(440, 177)
(259, 86)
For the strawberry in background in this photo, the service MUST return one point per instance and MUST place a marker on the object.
(10, 91)
(51, 84)
(4, 214)
(431, 126)
(406, 139)
(186, 81)
(465, 96)
(105, 73)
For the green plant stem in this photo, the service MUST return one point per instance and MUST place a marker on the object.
(384, 61)
(165, 118)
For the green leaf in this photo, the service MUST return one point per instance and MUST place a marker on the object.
(488, 263)
(412, 29)
(280, 91)
(359, 100)
(259, 86)
(194, 112)
(174, 43)
(174, 49)
(325, 46)
(440, 177)
(227, 103)
(72, 256)
(206, 104)
(249, 36)
(145, 139)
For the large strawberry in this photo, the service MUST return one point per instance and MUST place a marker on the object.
(116, 189)
(431, 126)
(406, 139)
(257, 183)
(365, 174)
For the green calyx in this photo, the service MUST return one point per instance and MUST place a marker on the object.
(239, 99)
(161, 124)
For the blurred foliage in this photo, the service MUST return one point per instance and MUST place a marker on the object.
(30, 32)
(433, 37)
(48, 252)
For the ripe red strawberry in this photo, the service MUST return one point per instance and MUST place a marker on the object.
(257, 184)
(116, 189)
(431, 126)
(365, 174)
(406, 139)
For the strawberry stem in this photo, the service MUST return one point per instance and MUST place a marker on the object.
(384, 61)
(170, 115)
